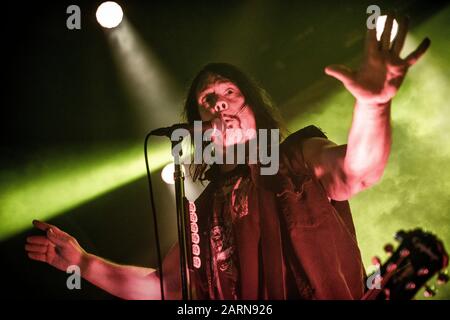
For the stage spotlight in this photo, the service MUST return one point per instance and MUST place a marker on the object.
(167, 173)
(109, 14)
(380, 27)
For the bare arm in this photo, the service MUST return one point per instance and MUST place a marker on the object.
(126, 282)
(61, 250)
(347, 169)
(369, 145)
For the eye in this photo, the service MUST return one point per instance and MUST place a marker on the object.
(229, 91)
(208, 99)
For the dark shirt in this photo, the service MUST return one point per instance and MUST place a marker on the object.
(275, 237)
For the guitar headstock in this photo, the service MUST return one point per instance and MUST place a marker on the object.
(419, 256)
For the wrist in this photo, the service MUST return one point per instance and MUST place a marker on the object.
(86, 261)
(373, 105)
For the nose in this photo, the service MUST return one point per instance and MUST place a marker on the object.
(221, 106)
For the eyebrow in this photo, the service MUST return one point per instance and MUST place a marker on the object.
(230, 83)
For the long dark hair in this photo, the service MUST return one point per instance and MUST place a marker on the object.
(266, 114)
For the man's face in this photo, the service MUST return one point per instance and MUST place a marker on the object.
(221, 98)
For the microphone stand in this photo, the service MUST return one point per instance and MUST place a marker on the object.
(182, 222)
(181, 204)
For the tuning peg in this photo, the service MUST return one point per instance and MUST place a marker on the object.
(400, 235)
(404, 252)
(423, 272)
(442, 278)
(429, 292)
(388, 248)
(376, 261)
(410, 286)
(391, 267)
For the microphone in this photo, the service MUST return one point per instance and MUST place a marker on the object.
(197, 126)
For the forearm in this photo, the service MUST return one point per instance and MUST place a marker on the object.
(127, 282)
(369, 143)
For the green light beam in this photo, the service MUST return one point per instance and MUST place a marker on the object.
(58, 183)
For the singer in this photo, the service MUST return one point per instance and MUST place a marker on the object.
(283, 236)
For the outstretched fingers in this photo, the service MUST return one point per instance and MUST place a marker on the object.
(399, 41)
(54, 234)
(35, 248)
(414, 56)
(385, 39)
(37, 256)
(371, 44)
(42, 225)
(40, 240)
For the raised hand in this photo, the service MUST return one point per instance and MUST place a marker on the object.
(57, 248)
(382, 70)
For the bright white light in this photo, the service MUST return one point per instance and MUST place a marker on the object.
(109, 14)
(167, 173)
(380, 27)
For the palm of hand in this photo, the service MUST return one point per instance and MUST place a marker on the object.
(56, 256)
(383, 70)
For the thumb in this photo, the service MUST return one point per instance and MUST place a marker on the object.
(340, 72)
(56, 237)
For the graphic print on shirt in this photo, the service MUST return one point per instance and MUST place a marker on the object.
(230, 204)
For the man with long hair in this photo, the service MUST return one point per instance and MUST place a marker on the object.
(284, 236)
